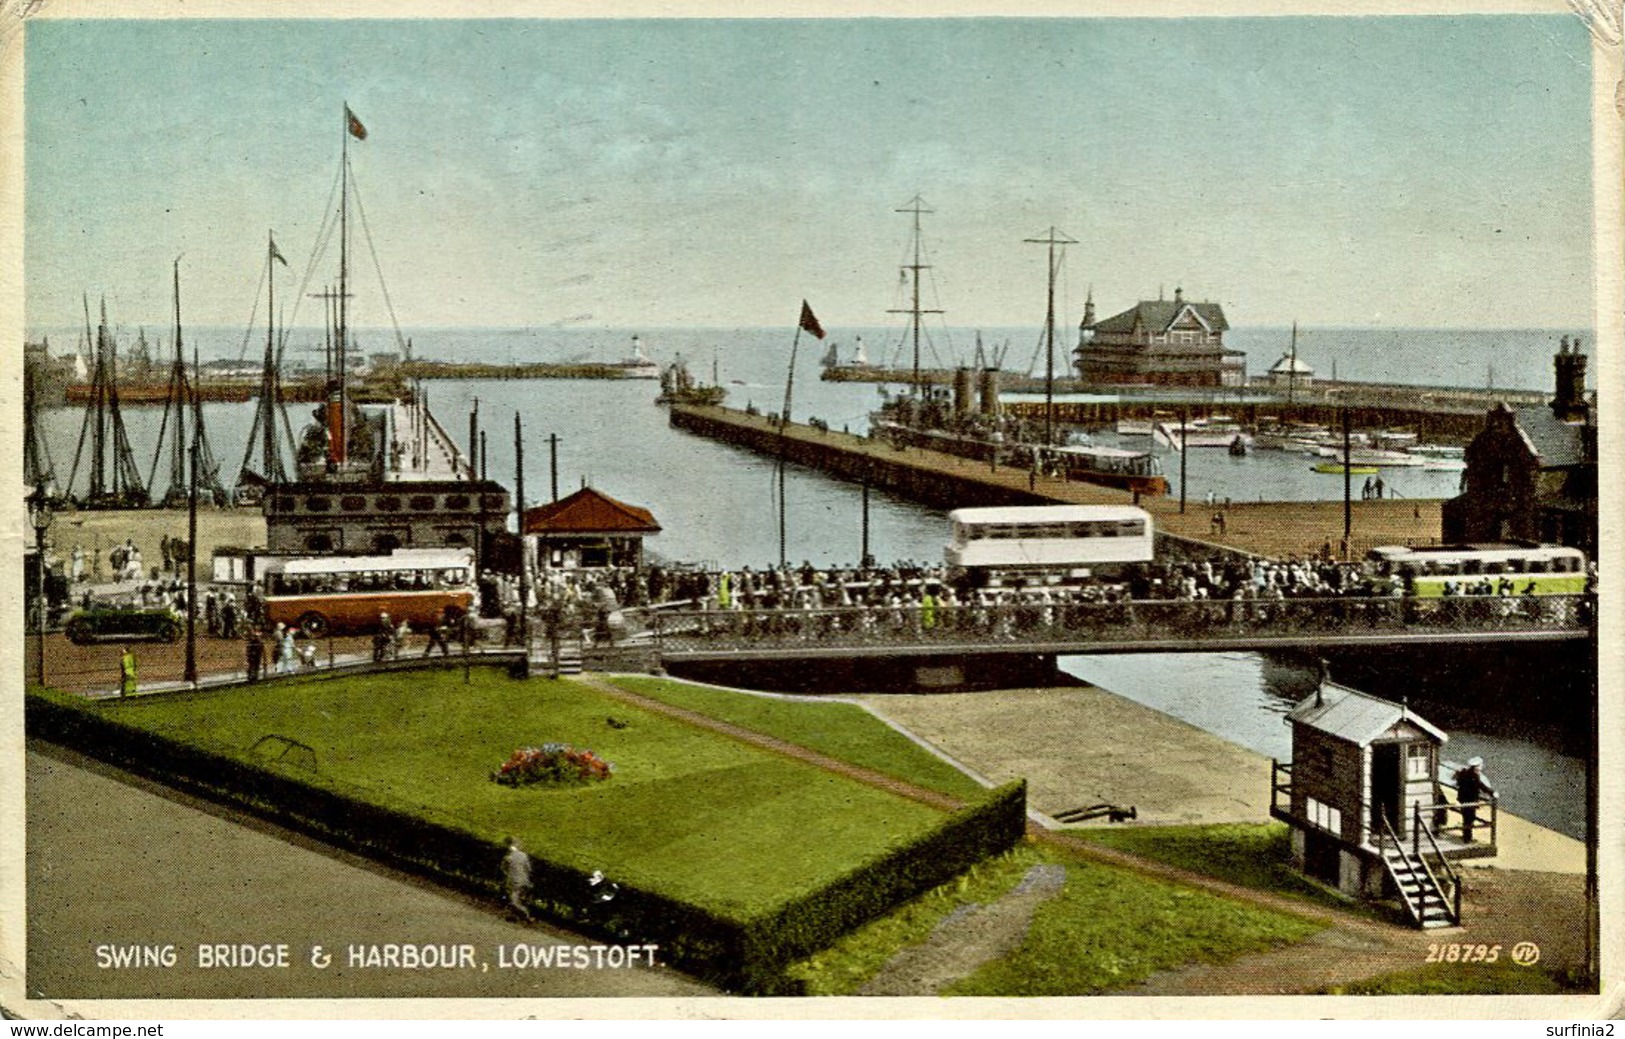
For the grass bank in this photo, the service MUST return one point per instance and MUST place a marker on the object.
(841, 730)
(688, 814)
(1106, 930)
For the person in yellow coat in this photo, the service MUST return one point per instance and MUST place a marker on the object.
(127, 679)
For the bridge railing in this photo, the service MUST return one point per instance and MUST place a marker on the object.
(1136, 620)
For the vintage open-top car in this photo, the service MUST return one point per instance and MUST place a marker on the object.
(135, 623)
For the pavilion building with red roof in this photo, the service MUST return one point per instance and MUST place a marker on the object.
(588, 529)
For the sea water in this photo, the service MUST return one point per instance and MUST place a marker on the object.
(716, 504)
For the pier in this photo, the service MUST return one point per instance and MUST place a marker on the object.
(1276, 530)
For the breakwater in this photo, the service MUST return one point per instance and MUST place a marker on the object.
(1276, 529)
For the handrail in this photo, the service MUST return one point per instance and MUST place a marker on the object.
(1420, 827)
(1489, 822)
(1139, 618)
(1388, 831)
(1276, 786)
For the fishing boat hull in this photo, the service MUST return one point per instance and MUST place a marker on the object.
(1339, 469)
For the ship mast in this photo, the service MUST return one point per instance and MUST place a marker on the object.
(1052, 239)
(916, 206)
(1292, 372)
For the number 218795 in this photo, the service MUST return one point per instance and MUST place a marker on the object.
(1455, 952)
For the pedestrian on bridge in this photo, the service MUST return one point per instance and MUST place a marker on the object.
(254, 651)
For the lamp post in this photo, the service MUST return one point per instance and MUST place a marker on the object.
(39, 516)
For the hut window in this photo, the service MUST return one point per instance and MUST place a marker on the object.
(1324, 815)
(1418, 761)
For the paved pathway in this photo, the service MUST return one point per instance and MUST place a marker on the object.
(115, 860)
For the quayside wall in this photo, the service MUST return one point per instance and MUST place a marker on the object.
(839, 456)
(928, 477)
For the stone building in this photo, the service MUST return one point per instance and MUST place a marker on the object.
(1532, 472)
(1159, 342)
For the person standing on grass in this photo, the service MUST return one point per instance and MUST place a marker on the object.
(127, 677)
(516, 879)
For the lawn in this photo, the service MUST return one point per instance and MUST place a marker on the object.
(1106, 930)
(841, 730)
(1247, 854)
(689, 814)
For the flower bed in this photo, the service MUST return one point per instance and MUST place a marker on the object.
(552, 763)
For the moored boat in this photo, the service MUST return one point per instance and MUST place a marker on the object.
(1338, 468)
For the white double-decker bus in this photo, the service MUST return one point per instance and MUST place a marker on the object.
(1049, 542)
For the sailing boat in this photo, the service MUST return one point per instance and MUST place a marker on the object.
(251, 482)
(182, 396)
(115, 483)
(638, 366)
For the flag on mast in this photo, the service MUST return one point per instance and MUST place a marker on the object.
(809, 321)
(357, 131)
(276, 254)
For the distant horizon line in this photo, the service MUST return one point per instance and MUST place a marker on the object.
(160, 327)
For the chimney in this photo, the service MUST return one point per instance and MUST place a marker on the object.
(1179, 295)
(1569, 405)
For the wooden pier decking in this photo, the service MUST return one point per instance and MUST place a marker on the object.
(1274, 529)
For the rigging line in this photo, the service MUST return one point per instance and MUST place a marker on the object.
(366, 231)
(318, 248)
(248, 329)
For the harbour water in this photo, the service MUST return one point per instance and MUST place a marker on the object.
(716, 504)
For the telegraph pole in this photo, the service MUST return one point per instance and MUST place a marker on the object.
(524, 561)
(190, 673)
(553, 461)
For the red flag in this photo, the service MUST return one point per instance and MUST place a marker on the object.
(357, 131)
(809, 321)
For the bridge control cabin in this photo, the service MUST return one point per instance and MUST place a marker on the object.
(1369, 809)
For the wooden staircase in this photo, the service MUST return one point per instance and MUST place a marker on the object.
(1428, 901)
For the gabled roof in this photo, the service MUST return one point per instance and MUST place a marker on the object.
(1357, 717)
(589, 512)
(1159, 315)
(1557, 443)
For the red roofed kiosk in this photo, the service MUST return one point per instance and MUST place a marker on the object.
(588, 529)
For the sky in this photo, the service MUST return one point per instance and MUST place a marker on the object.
(1396, 171)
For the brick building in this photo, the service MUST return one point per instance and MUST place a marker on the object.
(1532, 472)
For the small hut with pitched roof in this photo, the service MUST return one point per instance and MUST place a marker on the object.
(588, 529)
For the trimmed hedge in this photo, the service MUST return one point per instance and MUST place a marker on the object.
(743, 955)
